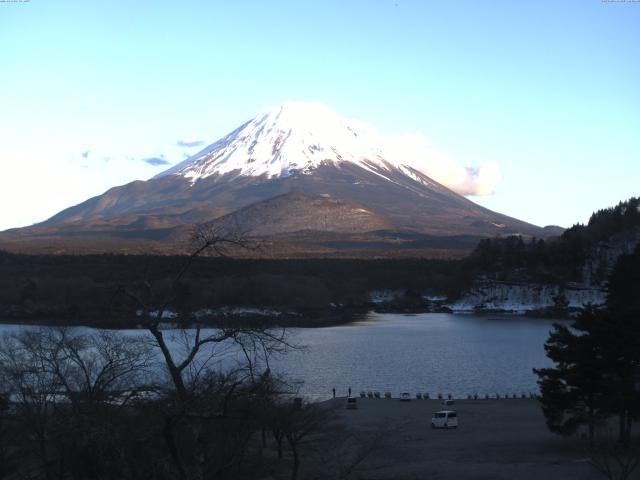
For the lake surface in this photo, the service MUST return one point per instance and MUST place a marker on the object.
(435, 353)
(432, 352)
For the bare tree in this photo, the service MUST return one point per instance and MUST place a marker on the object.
(189, 365)
(314, 432)
(256, 343)
(34, 390)
(350, 453)
(303, 424)
(4, 431)
(67, 390)
(72, 392)
(94, 368)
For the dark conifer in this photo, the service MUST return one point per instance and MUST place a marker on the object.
(597, 360)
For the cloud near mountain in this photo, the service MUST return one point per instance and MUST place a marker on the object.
(416, 150)
(190, 142)
(155, 161)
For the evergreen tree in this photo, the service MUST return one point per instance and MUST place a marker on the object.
(623, 304)
(597, 360)
(573, 393)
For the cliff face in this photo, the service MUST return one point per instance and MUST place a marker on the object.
(603, 256)
(524, 297)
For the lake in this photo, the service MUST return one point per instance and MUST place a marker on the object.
(430, 352)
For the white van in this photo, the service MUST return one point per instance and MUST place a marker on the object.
(444, 419)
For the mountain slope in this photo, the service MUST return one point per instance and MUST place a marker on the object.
(293, 149)
(294, 137)
(298, 212)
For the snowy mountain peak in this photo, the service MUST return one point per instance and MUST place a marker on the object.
(293, 137)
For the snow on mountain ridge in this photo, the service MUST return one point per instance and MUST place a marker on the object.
(294, 137)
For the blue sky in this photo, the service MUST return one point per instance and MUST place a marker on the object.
(548, 90)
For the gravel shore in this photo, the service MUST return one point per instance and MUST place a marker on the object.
(496, 439)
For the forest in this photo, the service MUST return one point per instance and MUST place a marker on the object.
(73, 289)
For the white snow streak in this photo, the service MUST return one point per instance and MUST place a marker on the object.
(298, 137)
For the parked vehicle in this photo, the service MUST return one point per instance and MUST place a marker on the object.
(444, 419)
(405, 397)
(352, 403)
(448, 403)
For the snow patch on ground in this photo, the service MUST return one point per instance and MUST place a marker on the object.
(222, 312)
(239, 312)
(385, 296)
(521, 298)
(434, 298)
(156, 314)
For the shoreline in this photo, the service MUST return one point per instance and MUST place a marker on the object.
(312, 319)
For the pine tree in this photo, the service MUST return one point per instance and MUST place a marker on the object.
(597, 361)
(573, 393)
(623, 304)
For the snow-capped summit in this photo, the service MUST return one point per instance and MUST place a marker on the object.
(293, 137)
(298, 169)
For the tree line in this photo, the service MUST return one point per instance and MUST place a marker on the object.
(72, 289)
(557, 260)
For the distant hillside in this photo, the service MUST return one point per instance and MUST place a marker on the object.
(583, 253)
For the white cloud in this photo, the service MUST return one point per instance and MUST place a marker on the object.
(40, 180)
(415, 150)
(190, 142)
(156, 161)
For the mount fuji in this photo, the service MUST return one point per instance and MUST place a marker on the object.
(299, 176)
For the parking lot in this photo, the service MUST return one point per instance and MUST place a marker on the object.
(496, 439)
